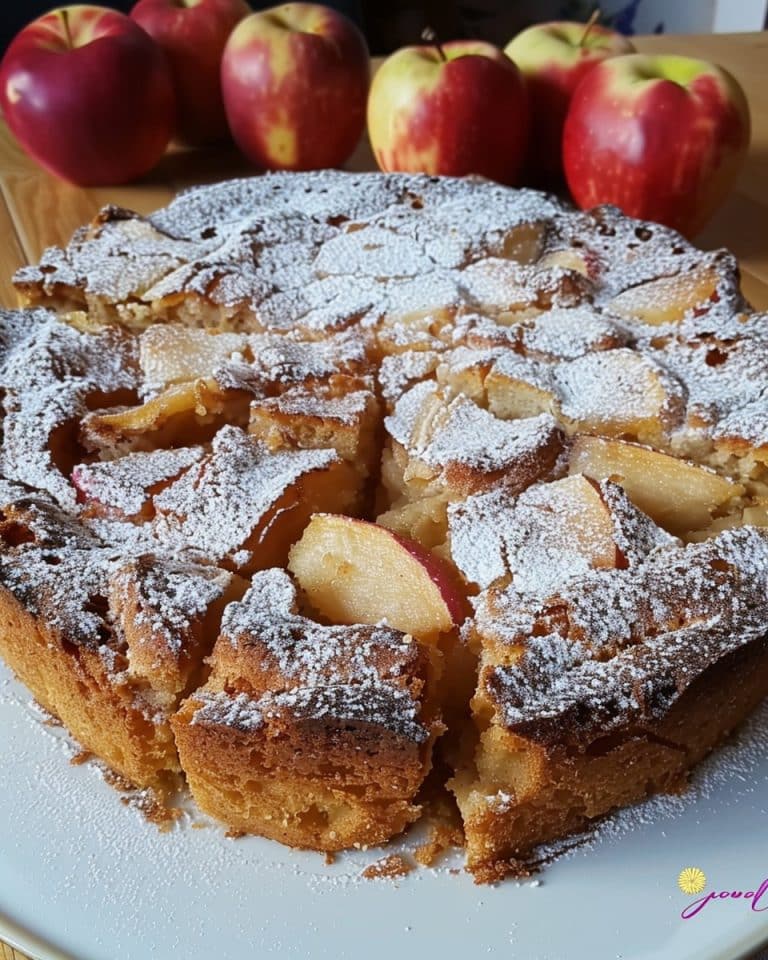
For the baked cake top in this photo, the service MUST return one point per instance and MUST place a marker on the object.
(516, 345)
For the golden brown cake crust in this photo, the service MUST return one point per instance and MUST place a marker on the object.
(571, 786)
(335, 722)
(323, 784)
(73, 684)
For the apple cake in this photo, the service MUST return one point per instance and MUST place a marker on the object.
(312, 480)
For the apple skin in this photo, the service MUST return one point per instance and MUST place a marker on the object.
(99, 112)
(553, 58)
(391, 572)
(193, 34)
(466, 114)
(295, 81)
(438, 572)
(660, 137)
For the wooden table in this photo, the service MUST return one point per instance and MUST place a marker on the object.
(36, 210)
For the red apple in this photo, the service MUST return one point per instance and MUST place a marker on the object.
(660, 137)
(353, 571)
(193, 34)
(454, 109)
(88, 94)
(553, 58)
(295, 81)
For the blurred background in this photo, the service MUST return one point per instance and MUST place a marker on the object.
(390, 24)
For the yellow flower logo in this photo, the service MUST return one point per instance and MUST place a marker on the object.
(692, 880)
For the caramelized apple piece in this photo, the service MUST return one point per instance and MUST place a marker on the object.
(518, 388)
(496, 284)
(523, 242)
(756, 515)
(666, 300)
(458, 446)
(568, 259)
(170, 353)
(680, 496)
(182, 415)
(422, 520)
(353, 571)
(417, 330)
(547, 532)
(463, 371)
(619, 393)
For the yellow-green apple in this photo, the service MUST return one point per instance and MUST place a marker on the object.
(88, 94)
(660, 137)
(455, 108)
(295, 81)
(193, 34)
(354, 571)
(553, 58)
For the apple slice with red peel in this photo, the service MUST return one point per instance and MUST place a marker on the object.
(354, 571)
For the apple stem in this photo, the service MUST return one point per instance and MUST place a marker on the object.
(430, 36)
(67, 32)
(589, 24)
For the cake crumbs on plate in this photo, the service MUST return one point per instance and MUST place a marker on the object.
(390, 867)
(442, 837)
(152, 808)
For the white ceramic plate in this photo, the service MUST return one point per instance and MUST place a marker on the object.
(84, 876)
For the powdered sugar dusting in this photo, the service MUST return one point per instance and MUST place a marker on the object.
(125, 484)
(473, 289)
(171, 596)
(49, 373)
(290, 256)
(298, 649)
(358, 672)
(440, 432)
(626, 643)
(217, 506)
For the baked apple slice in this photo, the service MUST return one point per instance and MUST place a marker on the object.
(525, 241)
(354, 571)
(619, 393)
(678, 495)
(550, 532)
(424, 520)
(184, 414)
(170, 353)
(568, 259)
(666, 299)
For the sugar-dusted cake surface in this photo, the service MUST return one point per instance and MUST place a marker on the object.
(564, 410)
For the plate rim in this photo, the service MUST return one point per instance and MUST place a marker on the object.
(41, 941)
(21, 938)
